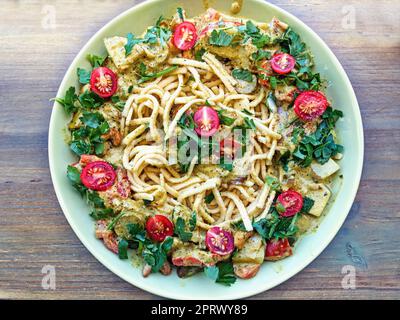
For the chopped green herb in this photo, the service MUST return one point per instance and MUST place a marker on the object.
(220, 38)
(180, 230)
(83, 76)
(222, 273)
(198, 55)
(150, 76)
(226, 121)
(180, 13)
(242, 74)
(308, 203)
(209, 198)
(95, 61)
(69, 101)
(130, 43)
(273, 183)
(123, 249)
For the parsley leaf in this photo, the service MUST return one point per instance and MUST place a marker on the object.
(273, 183)
(226, 121)
(87, 139)
(209, 198)
(222, 273)
(198, 55)
(251, 31)
(242, 74)
(220, 38)
(308, 203)
(123, 249)
(95, 61)
(180, 13)
(69, 101)
(130, 43)
(157, 34)
(320, 145)
(83, 75)
(99, 211)
(193, 221)
(180, 230)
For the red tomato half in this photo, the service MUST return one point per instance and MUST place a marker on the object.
(292, 201)
(219, 241)
(310, 105)
(229, 148)
(185, 36)
(207, 121)
(265, 73)
(283, 63)
(103, 82)
(159, 227)
(98, 175)
(278, 249)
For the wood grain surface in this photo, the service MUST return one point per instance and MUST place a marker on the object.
(33, 229)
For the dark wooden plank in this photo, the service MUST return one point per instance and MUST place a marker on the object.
(34, 231)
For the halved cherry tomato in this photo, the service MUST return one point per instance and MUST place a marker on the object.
(277, 249)
(98, 175)
(229, 148)
(159, 227)
(283, 63)
(185, 36)
(310, 105)
(207, 121)
(292, 201)
(103, 82)
(220, 241)
(265, 73)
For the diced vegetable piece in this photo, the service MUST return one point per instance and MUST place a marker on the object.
(246, 270)
(323, 171)
(252, 252)
(321, 197)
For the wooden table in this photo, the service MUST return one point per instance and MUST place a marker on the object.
(33, 229)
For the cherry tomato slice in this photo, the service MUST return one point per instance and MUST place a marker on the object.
(277, 249)
(159, 227)
(229, 148)
(283, 63)
(103, 82)
(291, 201)
(98, 175)
(207, 121)
(265, 73)
(219, 241)
(309, 105)
(185, 36)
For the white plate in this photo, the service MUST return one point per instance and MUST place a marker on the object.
(271, 274)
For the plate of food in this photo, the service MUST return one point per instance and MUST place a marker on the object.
(205, 153)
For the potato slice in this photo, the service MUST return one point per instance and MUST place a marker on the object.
(253, 251)
(323, 171)
(321, 197)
